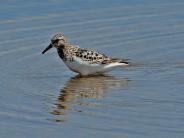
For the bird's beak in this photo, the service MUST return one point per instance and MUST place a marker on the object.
(47, 48)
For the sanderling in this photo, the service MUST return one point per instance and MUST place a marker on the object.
(84, 61)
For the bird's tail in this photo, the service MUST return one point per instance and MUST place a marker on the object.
(122, 61)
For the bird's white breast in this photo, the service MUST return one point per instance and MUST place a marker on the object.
(83, 67)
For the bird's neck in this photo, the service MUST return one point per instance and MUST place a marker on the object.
(60, 51)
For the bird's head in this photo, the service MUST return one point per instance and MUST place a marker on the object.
(57, 41)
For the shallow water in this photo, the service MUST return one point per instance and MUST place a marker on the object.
(40, 97)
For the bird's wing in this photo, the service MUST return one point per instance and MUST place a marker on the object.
(93, 57)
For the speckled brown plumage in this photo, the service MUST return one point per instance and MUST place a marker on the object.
(90, 56)
(83, 61)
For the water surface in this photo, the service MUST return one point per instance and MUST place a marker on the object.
(40, 97)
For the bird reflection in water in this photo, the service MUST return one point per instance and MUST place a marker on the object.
(80, 92)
